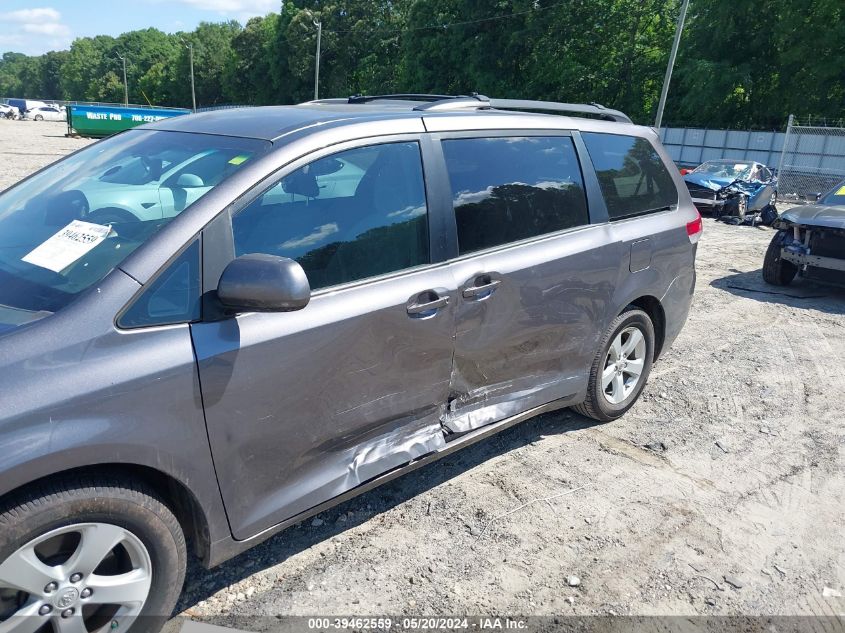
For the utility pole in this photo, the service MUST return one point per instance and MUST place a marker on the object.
(125, 85)
(672, 55)
(319, 26)
(190, 47)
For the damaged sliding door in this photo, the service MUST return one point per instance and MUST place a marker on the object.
(534, 277)
(304, 406)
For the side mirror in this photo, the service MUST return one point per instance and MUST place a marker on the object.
(189, 181)
(263, 283)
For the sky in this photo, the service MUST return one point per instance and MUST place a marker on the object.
(36, 27)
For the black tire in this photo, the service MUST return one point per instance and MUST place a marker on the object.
(38, 117)
(115, 501)
(777, 271)
(596, 405)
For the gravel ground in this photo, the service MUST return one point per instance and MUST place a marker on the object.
(721, 492)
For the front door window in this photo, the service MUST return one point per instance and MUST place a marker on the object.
(350, 216)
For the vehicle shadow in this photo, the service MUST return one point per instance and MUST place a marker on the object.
(801, 293)
(202, 583)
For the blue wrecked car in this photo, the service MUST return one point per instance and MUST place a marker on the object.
(734, 190)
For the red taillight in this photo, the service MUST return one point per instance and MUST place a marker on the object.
(685, 171)
(694, 229)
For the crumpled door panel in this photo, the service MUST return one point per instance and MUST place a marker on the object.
(533, 340)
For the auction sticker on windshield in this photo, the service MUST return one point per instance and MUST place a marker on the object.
(67, 246)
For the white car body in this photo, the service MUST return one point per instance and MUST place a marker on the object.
(45, 113)
(163, 197)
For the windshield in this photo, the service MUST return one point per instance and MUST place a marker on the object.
(836, 196)
(64, 229)
(721, 169)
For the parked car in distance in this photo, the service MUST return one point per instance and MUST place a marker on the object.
(25, 104)
(732, 188)
(339, 292)
(8, 112)
(810, 242)
(45, 113)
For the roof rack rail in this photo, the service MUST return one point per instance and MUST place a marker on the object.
(404, 97)
(475, 101)
(552, 106)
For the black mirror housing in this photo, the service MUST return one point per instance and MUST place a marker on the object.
(263, 283)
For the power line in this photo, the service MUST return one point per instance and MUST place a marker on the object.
(449, 25)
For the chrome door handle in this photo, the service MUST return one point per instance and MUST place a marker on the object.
(483, 289)
(421, 308)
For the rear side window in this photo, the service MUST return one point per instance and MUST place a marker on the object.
(631, 175)
(510, 189)
(349, 216)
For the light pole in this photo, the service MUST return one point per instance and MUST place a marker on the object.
(190, 47)
(319, 26)
(125, 85)
(672, 55)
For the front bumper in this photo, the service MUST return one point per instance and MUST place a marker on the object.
(708, 204)
(800, 259)
(817, 252)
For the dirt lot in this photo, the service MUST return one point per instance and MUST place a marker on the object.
(721, 492)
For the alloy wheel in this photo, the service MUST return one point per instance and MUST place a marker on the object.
(623, 365)
(82, 578)
(742, 206)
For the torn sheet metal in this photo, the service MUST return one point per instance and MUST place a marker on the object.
(391, 450)
(406, 441)
(487, 406)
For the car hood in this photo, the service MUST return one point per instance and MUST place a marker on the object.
(708, 181)
(13, 318)
(816, 215)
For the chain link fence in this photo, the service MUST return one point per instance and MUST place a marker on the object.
(812, 160)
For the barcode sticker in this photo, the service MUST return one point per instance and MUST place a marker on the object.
(67, 246)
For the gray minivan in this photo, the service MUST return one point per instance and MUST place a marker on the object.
(325, 297)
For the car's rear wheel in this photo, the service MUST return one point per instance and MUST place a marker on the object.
(38, 117)
(88, 555)
(621, 367)
(776, 270)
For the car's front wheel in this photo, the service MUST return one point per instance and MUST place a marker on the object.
(38, 117)
(621, 367)
(776, 270)
(741, 207)
(88, 555)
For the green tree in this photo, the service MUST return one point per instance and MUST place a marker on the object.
(212, 52)
(747, 63)
(248, 77)
(89, 60)
(742, 63)
(144, 50)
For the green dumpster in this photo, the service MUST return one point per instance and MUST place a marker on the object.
(98, 121)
